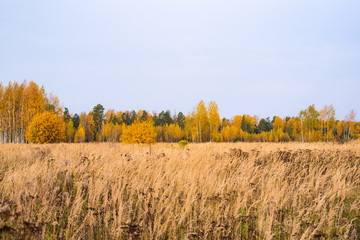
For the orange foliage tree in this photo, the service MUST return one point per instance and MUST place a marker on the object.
(139, 132)
(46, 127)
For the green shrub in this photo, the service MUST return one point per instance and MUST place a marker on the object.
(183, 143)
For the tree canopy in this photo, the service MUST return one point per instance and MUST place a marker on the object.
(139, 132)
(46, 127)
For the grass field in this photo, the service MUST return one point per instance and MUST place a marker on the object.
(202, 191)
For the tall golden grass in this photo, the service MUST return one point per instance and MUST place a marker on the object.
(203, 191)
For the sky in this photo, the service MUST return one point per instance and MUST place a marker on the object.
(260, 57)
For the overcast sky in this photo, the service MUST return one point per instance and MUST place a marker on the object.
(261, 57)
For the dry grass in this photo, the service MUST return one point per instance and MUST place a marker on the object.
(205, 191)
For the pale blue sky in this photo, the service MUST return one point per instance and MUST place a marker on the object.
(261, 57)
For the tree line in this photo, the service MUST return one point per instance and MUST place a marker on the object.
(22, 119)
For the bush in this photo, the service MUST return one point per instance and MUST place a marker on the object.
(138, 133)
(183, 143)
(45, 127)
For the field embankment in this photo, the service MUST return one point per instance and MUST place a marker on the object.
(205, 191)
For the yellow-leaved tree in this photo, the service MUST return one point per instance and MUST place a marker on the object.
(201, 120)
(80, 134)
(214, 121)
(139, 132)
(70, 131)
(45, 127)
(173, 133)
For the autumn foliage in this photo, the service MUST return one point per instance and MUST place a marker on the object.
(139, 132)
(46, 127)
(20, 102)
(80, 134)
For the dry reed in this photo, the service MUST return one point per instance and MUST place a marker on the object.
(204, 191)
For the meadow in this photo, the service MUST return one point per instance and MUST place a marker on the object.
(201, 191)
